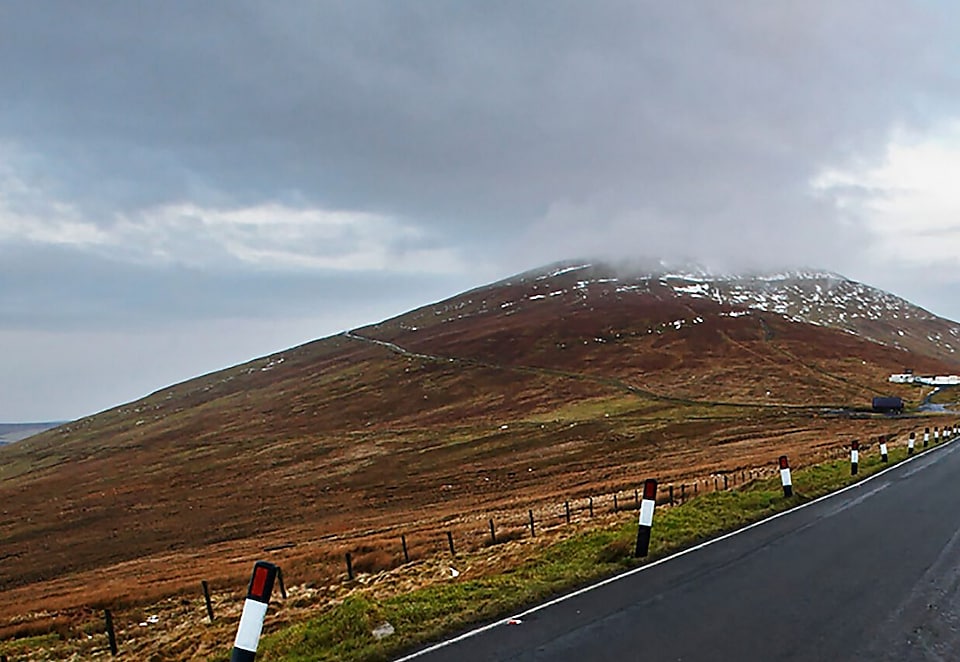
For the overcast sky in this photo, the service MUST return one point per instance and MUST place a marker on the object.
(188, 185)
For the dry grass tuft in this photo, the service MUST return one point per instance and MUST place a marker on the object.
(506, 535)
(375, 561)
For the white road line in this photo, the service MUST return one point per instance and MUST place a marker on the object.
(689, 550)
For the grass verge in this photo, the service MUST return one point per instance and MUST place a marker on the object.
(345, 631)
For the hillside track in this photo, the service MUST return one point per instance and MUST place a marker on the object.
(612, 382)
(869, 573)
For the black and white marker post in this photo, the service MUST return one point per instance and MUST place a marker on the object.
(911, 442)
(883, 450)
(254, 611)
(926, 437)
(936, 435)
(646, 517)
(854, 457)
(785, 479)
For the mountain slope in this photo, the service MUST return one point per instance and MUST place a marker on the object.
(798, 338)
(570, 379)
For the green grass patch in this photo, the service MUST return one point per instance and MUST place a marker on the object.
(591, 409)
(344, 631)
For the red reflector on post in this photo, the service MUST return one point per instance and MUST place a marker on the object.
(783, 462)
(259, 582)
(855, 445)
(650, 488)
(262, 580)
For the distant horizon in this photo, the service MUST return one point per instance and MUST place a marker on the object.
(34, 423)
(11, 433)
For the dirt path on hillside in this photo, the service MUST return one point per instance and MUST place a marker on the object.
(606, 381)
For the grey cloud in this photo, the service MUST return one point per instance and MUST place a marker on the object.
(455, 115)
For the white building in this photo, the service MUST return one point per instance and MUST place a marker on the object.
(938, 380)
(903, 378)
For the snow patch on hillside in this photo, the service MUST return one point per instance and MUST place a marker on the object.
(564, 270)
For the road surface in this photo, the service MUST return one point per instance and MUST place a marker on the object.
(869, 574)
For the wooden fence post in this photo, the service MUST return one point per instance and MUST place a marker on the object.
(453, 552)
(349, 566)
(533, 533)
(406, 554)
(283, 589)
(206, 597)
(111, 635)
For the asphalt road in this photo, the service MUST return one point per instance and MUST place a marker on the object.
(869, 574)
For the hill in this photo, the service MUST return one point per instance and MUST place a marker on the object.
(571, 380)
